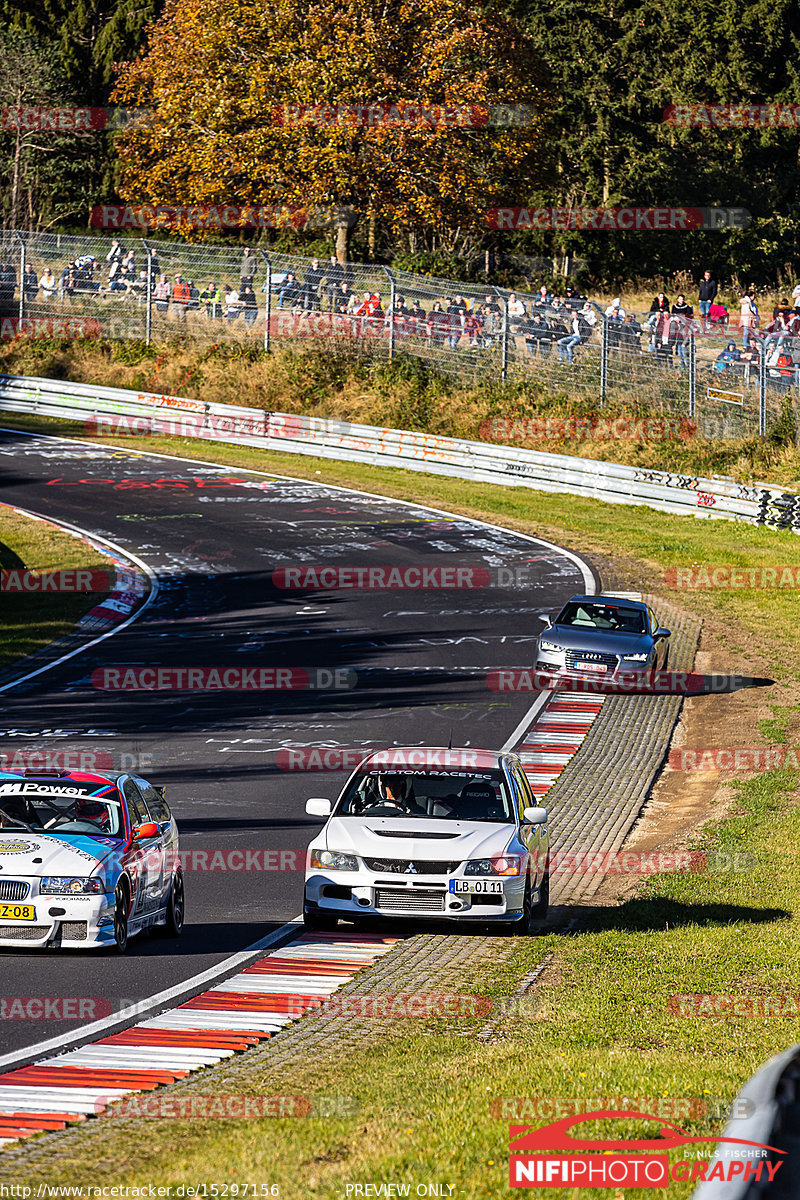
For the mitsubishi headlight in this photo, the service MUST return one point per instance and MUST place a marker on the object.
(65, 885)
(510, 864)
(333, 860)
(636, 657)
(545, 645)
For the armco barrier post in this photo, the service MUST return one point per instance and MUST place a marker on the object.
(148, 316)
(762, 394)
(390, 277)
(692, 376)
(504, 343)
(268, 293)
(22, 266)
(603, 360)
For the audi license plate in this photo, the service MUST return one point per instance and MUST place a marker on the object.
(589, 666)
(17, 912)
(476, 887)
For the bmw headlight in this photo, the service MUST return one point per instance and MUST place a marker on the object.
(635, 657)
(334, 860)
(509, 864)
(64, 885)
(545, 645)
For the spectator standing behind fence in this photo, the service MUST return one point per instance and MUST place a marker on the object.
(417, 320)
(781, 326)
(681, 329)
(248, 303)
(114, 259)
(314, 277)
(342, 298)
(48, 284)
(211, 297)
(658, 322)
(438, 324)
(162, 294)
(30, 285)
(247, 269)
(456, 311)
(748, 319)
(706, 295)
(334, 278)
(181, 295)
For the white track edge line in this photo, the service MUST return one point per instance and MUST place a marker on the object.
(7, 1061)
(148, 571)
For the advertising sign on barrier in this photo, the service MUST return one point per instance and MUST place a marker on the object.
(724, 397)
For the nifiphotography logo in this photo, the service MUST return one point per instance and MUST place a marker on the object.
(551, 1157)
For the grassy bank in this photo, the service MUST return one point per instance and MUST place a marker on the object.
(406, 395)
(431, 1096)
(30, 620)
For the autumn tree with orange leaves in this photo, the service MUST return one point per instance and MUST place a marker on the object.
(216, 72)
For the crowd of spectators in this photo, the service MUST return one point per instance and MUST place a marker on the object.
(548, 326)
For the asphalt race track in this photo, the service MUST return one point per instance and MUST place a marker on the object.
(213, 536)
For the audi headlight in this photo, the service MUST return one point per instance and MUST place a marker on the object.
(334, 860)
(636, 657)
(545, 645)
(64, 885)
(510, 864)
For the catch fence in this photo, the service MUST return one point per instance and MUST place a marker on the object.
(57, 285)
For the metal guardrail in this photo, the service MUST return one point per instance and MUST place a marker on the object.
(118, 410)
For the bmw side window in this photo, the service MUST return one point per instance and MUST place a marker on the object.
(157, 805)
(136, 805)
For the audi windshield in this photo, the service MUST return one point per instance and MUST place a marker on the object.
(615, 618)
(446, 795)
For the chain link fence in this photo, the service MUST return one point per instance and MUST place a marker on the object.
(58, 285)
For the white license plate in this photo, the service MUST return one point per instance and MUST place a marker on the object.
(476, 887)
(601, 668)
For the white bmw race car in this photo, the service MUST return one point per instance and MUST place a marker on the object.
(425, 832)
(86, 860)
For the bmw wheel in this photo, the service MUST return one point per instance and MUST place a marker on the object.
(121, 913)
(176, 909)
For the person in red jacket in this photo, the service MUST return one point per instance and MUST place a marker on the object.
(181, 295)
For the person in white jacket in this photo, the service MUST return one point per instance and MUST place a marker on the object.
(48, 284)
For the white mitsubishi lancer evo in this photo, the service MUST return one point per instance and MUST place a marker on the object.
(431, 833)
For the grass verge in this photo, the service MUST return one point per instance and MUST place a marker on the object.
(434, 1103)
(407, 394)
(30, 620)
